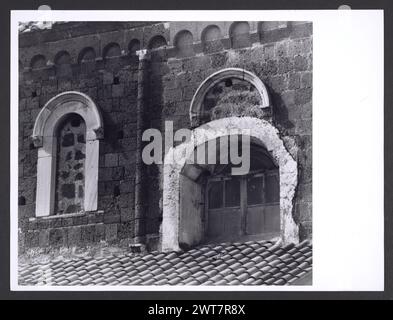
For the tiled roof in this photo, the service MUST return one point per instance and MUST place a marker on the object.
(247, 263)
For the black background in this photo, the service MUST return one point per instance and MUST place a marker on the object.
(7, 5)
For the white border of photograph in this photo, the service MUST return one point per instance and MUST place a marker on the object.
(348, 183)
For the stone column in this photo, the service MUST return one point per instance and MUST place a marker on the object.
(140, 192)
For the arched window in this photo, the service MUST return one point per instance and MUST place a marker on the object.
(133, 47)
(38, 62)
(112, 50)
(184, 44)
(157, 42)
(239, 33)
(63, 64)
(211, 39)
(67, 132)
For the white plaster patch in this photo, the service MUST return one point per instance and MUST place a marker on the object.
(257, 128)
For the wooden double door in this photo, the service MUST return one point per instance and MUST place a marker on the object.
(243, 206)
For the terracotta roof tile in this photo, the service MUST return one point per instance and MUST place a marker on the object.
(249, 263)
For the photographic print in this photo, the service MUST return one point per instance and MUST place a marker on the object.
(165, 153)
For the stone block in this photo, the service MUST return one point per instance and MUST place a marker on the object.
(126, 214)
(294, 81)
(300, 63)
(303, 96)
(26, 211)
(270, 67)
(117, 173)
(126, 230)
(306, 80)
(305, 230)
(300, 30)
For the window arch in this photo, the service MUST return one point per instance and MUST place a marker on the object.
(133, 47)
(239, 33)
(211, 39)
(38, 62)
(184, 43)
(200, 110)
(66, 108)
(70, 153)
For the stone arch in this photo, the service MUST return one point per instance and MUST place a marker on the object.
(111, 50)
(62, 57)
(197, 100)
(45, 138)
(183, 43)
(259, 129)
(239, 33)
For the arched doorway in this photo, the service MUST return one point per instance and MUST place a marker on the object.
(232, 207)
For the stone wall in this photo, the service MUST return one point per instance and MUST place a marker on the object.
(98, 59)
